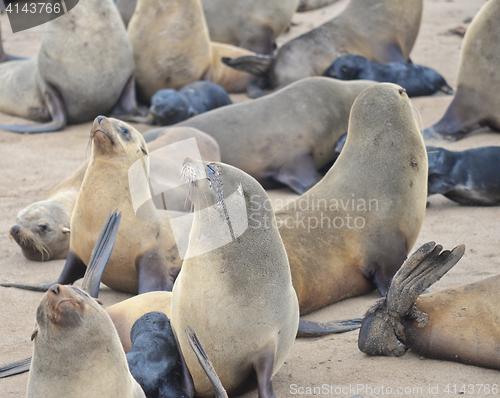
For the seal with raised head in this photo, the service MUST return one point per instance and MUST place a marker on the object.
(417, 80)
(477, 97)
(381, 31)
(278, 138)
(78, 74)
(172, 48)
(352, 231)
(146, 256)
(235, 287)
(456, 324)
(253, 25)
(42, 229)
(470, 178)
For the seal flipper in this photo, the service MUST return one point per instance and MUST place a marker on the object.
(314, 329)
(300, 174)
(127, 104)
(257, 65)
(205, 363)
(151, 275)
(263, 366)
(56, 108)
(15, 368)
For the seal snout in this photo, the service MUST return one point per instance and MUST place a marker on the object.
(54, 289)
(15, 229)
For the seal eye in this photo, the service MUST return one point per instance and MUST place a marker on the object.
(344, 69)
(42, 228)
(125, 132)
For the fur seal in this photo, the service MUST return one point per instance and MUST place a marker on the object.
(456, 324)
(170, 53)
(417, 80)
(477, 99)
(277, 138)
(352, 231)
(253, 25)
(169, 106)
(470, 178)
(381, 31)
(42, 229)
(309, 5)
(71, 81)
(230, 252)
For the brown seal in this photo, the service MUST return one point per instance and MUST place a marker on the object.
(235, 287)
(42, 229)
(284, 137)
(71, 81)
(381, 31)
(171, 53)
(457, 324)
(253, 25)
(477, 99)
(352, 231)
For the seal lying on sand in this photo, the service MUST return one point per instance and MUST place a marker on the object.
(477, 98)
(381, 31)
(78, 74)
(415, 79)
(456, 324)
(470, 177)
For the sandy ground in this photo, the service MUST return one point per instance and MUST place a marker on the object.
(32, 164)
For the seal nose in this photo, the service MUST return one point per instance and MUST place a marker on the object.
(15, 229)
(54, 288)
(99, 118)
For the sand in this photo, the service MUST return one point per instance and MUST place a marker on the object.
(332, 364)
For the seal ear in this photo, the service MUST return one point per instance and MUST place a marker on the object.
(65, 230)
(34, 334)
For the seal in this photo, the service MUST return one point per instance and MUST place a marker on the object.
(71, 81)
(187, 56)
(169, 106)
(3, 56)
(42, 229)
(230, 252)
(457, 324)
(476, 102)
(352, 231)
(380, 31)
(309, 5)
(253, 25)
(277, 138)
(469, 177)
(417, 80)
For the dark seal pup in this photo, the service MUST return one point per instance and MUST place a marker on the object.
(416, 79)
(169, 106)
(470, 178)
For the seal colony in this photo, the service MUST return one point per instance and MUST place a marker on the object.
(71, 81)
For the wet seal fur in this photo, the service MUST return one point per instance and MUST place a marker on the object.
(278, 138)
(253, 25)
(252, 344)
(477, 99)
(186, 56)
(417, 80)
(380, 31)
(457, 324)
(42, 228)
(169, 106)
(146, 256)
(469, 178)
(78, 74)
(380, 176)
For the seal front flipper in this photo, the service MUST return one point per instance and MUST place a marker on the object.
(310, 329)
(55, 106)
(257, 65)
(15, 368)
(205, 363)
(152, 276)
(300, 174)
(127, 104)
(382, 330)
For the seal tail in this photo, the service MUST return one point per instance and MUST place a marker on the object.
(314, 329)
(205, 363)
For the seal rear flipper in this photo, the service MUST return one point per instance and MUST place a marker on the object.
(15, 368)
(257, 65)
(56, 108)
(300, 174)
(313, 329)
(39, 287)
(205, 363)
(101, 253)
